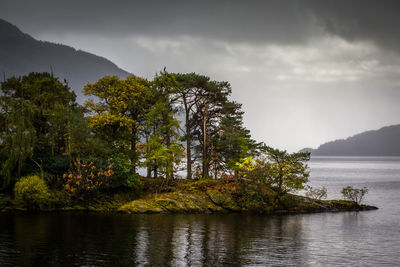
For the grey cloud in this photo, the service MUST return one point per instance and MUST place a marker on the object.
(367, 20)
(234, 21)
(276, 21)
(315, 70)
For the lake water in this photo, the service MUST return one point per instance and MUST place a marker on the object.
(370, 238)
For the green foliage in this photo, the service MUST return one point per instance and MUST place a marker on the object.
(124, 172)
(35, 124)
(354, 194)
(5, 201)
(162, 151)
(32, 191)
(119, 114)
(19, 139)
(232, 141)
(279, 170)
(133, 122)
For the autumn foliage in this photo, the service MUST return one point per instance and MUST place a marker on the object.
(84, 177)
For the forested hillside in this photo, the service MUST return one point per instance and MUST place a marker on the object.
(382, 142)
(21, 54)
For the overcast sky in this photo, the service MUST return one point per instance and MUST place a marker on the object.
(306, 72)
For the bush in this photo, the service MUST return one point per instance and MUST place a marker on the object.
(354, 194)
(5, 201)
(316, 193)
(32, 191)
(124, 173)
(84, 178)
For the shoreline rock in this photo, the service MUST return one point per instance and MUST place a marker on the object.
(203, 196)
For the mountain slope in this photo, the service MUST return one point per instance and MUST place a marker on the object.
(21, 54)
(382, 142)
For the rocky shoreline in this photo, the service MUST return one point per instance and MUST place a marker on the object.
(208, 199)
(202, 196)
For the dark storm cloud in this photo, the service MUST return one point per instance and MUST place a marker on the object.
(239, 21)
(278, 21)
(317, 70)
(366, 20)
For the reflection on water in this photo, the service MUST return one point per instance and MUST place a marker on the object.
(189, 240)
(141, 247)
(176, 240)
(349, 238)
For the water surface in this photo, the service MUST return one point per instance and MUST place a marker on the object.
(369, 238)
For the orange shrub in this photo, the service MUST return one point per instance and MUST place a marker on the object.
(84, 178)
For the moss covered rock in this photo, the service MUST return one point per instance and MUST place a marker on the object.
(213, 196)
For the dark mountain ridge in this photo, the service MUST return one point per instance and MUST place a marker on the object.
(382, 142)
(20, 54)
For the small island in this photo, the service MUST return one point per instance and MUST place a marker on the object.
(183, 196)
(58, 155)
(225, 196)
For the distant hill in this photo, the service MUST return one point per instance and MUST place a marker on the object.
(382, 142)
(20, 54)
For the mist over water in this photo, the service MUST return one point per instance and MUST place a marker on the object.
(341, 239)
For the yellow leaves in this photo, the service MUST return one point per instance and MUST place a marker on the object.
(119, 99)
(105, 119)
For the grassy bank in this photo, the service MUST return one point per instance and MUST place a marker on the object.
(188, 196)
(230, 196)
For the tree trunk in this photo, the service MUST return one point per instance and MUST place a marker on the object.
(205, 158)
(188, 141)
(170, 165)
(155, 172)
(147, 151)
(133, 149)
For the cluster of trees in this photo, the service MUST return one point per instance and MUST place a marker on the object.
(39, 127)
(140, 118)
(174, 123)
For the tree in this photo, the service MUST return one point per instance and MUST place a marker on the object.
(354, 194)
(210, 99)
(317, 193)
(288, 171)
(19, 138)
(162, 151)
(36, 111)
(120, 112)
(281, 171)
(187, 88)
(212, 124)
(232, 140)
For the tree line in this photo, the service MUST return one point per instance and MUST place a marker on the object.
(176, 123)
(174, 126)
